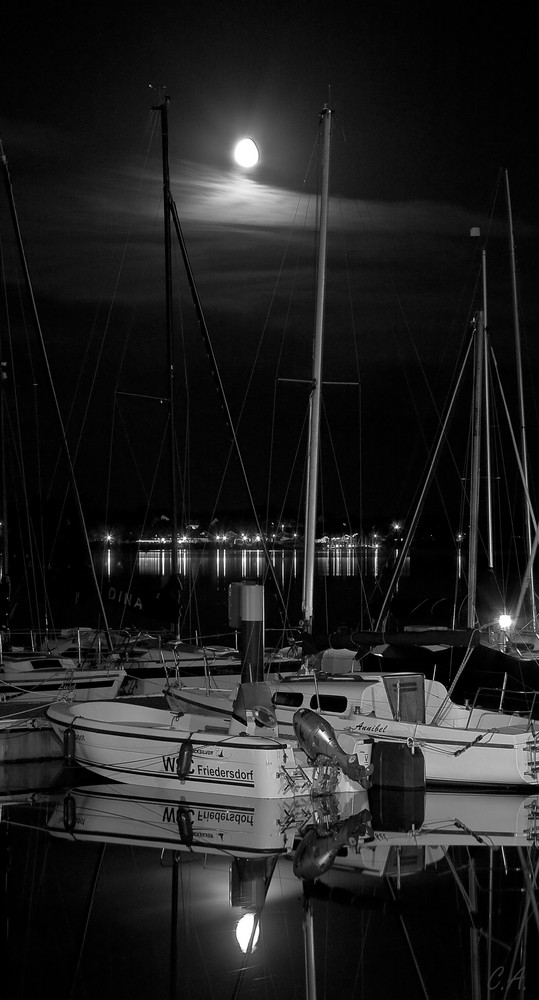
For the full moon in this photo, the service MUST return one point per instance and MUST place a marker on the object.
(246, 153)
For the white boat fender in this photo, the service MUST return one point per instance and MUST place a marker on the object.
(185, 759)
(317, 738)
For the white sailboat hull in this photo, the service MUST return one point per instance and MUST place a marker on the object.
(461, 746)
(466, 756)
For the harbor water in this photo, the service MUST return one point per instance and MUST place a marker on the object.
(116, 892)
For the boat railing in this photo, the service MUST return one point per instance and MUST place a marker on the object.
(509, 701)
(13, 639)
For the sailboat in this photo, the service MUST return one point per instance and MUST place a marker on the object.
(30, 678)
(510, 630)
(516, 633)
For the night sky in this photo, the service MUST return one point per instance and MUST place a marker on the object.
(431, 104)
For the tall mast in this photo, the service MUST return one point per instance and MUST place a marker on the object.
(167, 213)
(486, 390)
(476, 467)
(4, 527)
(522, 416)
(316, 391)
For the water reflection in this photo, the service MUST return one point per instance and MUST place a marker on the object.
(131, 579)
(225, 564)
(116, 891)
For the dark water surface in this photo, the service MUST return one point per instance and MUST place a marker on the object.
(348, 586)
(109, 894)
(114, 892)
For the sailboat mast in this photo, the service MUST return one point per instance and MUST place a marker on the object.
(522, 416)
(316, 391)
(167, 212)
(476, 468)
(4, 526)
(486, 390)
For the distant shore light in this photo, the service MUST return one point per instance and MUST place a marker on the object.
(246, 153)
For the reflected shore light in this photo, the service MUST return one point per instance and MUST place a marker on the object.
(246, 153)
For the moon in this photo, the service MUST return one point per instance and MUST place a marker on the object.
(246, 153)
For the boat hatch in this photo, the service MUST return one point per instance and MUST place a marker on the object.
(406, 696)
(46, 663)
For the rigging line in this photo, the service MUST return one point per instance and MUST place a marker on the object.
(413, 396)
(54, 396)
(506, 492)
(400, 306)
(447, 698)
(495, 196)
(148, 506)
(34, 539)
(408, 941)
(40, 539)
(151, 119)
(284, 330)
(356, 353)
(514, 442)
(102, 344)
(291, 230)
(459, 884)
(15, 428)
(357, 556)
(106, 328)
(93, 891)
(426, 486)
(125, 428)
(222, 394)
(337, 468)
(273, 297)
(294, 463)
(530, 883)
(184, 469)
(535, 543)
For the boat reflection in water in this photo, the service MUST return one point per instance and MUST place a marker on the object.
(118, 891)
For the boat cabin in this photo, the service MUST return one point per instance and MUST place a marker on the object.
(404, 697)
